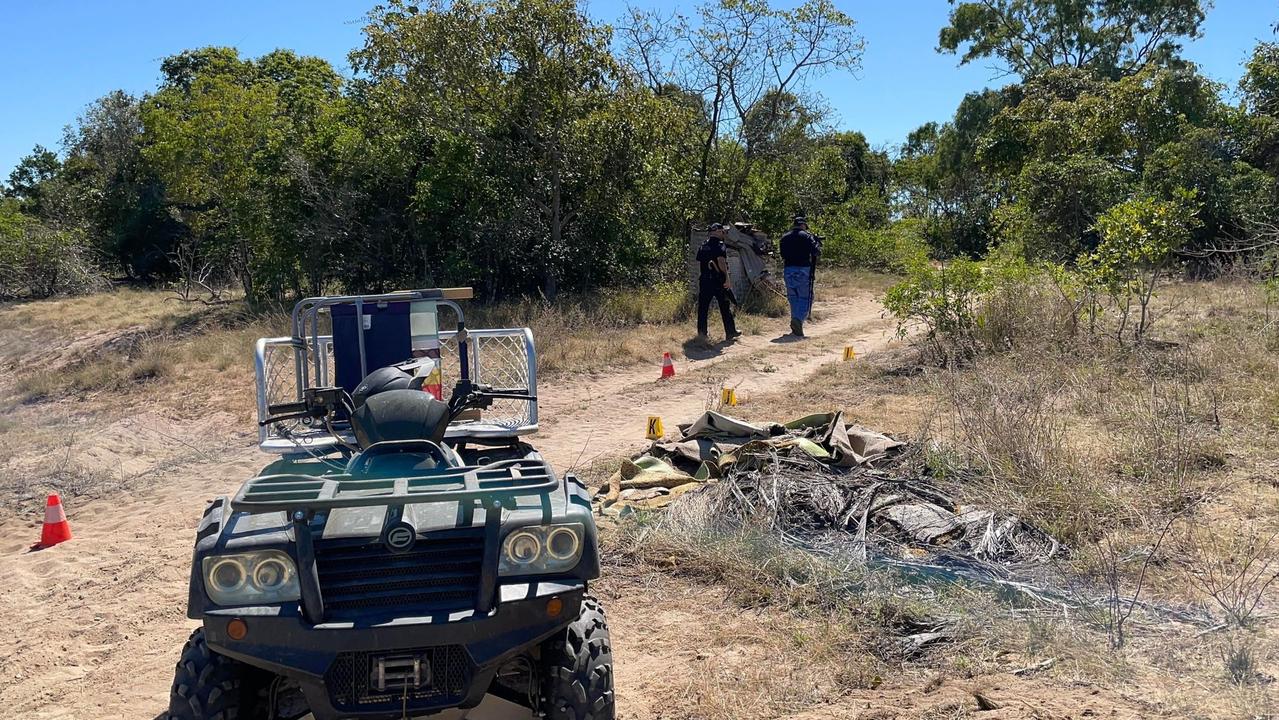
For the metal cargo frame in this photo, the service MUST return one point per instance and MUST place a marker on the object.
(285, 366)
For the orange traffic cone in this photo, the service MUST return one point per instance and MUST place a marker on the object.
(668, 367)
(56, 528)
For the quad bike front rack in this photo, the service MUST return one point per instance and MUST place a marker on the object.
(290, 492)
(492, 488)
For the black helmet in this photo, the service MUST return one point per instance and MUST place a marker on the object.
(800, 220)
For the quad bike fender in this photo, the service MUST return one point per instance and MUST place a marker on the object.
(269, 531)
(210, 526)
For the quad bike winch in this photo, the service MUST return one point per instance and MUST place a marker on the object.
(404, 555)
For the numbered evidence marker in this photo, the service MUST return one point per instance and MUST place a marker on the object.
(655, 431)
(849, 353)
(728, 397)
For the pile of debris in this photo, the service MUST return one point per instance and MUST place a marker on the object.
(820, 482)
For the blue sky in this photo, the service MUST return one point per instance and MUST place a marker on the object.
(59, 55)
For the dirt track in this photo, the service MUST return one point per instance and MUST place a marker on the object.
(599, 417)
(94, 626)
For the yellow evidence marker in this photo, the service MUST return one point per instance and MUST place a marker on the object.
(849, 353)
(728, 397)
(655, 431)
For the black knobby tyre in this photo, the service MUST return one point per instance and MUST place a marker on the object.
(578, 667)
(209, 686)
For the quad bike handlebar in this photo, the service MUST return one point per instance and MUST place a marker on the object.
(323, 403)
(468, 395)
(319, 403)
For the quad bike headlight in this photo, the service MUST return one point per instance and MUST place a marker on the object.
(256, 578)
(540, 549)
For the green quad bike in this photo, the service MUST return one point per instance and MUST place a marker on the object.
(404, 556)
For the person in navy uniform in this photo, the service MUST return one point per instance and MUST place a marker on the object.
(800, 250)
(713, 284)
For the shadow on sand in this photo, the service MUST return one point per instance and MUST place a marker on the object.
(696, 348)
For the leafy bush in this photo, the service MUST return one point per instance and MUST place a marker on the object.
(945, 301)
(964, 306)
(38, 261)
(1138, 239)
(850, 242)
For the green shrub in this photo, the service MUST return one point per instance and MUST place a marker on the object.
(965, 306)
(1138, 241)
(851, 243)
(38, 261)
(943, 301)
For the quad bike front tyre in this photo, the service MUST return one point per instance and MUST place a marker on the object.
(578, 668)
(209, 686)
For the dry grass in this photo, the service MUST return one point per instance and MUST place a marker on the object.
(694, 653)
(843, 282)
(591, 334)
(1159, 457)
(117, 341)
(1236, 566)
(72, 363)
(116, 310)
(878, 609)
(26, 490)
(152, 361)
(626, 327)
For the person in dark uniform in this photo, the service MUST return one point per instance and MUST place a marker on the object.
(799, 250)
(712, 259)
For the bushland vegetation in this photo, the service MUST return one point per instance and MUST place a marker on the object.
(1148, 455)
(526, 147)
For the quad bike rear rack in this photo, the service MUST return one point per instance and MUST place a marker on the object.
(291, 492)
(286, 366)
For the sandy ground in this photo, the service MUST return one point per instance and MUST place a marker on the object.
(93, 626)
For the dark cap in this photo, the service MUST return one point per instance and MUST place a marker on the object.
(801, 220)
(714, 227)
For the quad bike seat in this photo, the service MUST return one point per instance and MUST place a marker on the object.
(401, 431)
(400, 459)
(399, 414)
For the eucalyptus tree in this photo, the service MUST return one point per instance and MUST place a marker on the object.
(219, 132)
(559, 138)
(122, 196)
(28, 180)
(1111, 37)
(749, 61)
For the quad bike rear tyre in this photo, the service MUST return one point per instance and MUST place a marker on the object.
(209, 686)
(578, 668)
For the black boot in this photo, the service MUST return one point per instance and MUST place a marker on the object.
(797, 328)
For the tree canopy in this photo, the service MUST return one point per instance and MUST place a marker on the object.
(1110, 37)
(525, 147)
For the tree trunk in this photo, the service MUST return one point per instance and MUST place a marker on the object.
(551, 284)
(709, 145)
